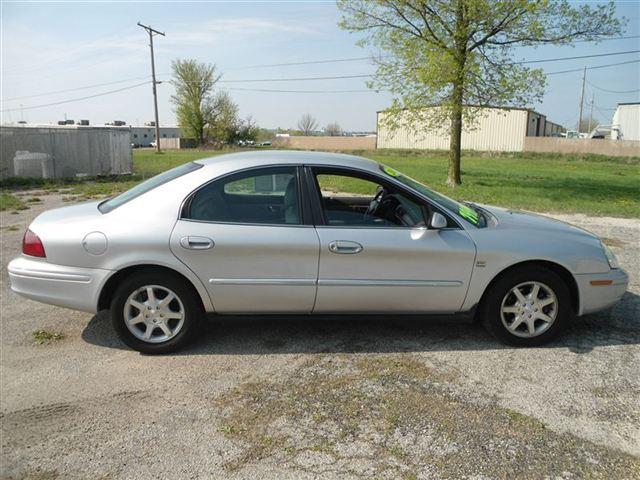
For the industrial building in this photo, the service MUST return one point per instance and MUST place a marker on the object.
(143, 136)
(626, 122)
(63, 151)
(496, 129)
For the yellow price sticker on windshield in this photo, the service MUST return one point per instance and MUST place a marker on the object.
(390, 171)
(469, 214)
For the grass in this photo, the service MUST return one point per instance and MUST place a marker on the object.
(589, 184)
(8, 201)
(45, 337)
(546, 183)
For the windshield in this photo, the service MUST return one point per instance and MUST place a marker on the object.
(147, 185)
(468, 212)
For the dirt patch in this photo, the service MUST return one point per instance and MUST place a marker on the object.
(391, 416)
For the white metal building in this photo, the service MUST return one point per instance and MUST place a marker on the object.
(497, 129)
(143, 136)
(53, 151)
(626, 122)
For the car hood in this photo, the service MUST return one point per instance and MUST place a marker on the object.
(516, 219)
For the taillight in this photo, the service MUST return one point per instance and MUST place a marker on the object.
(31, 245)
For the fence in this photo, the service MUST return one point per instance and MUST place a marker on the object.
(177, 143)
(613, 148)
(326, 143)
(59, 152)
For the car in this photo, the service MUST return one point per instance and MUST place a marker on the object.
(153, 143)
(288, 232)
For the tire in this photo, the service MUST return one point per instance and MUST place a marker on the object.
(172, 326)
(507, 317)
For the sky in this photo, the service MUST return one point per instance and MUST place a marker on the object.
(82, 49)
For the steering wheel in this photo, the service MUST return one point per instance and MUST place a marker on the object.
(375, 203)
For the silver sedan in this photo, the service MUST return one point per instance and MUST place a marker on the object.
(309, 233)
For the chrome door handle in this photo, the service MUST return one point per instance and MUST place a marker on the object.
(345, 246)
(196, 243)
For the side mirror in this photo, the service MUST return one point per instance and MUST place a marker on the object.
(438, 221)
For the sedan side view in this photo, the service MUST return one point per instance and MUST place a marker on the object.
(280, 232)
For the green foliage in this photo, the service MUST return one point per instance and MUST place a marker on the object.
(202, 113)
(452, 53)
(224, 124)
(193, 98)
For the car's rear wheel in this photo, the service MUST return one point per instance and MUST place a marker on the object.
(528, 306)
(155, 312)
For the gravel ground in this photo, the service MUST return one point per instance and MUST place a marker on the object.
(320, 398)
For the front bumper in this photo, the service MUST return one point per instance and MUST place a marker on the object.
(70, 287)
(594, 298)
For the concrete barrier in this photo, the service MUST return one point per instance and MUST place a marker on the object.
(612, 148)
(326, 143)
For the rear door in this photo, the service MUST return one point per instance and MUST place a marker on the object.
(384, 259)
(247, 238)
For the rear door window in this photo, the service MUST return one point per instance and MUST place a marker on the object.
(260, 196)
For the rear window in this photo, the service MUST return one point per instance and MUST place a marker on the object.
(147, 185)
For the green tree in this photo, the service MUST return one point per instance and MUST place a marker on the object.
(224, 122)
(453, 53)
(248, 130)
(195, 104)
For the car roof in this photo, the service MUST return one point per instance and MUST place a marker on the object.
(240, 160)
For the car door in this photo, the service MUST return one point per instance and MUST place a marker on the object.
(246, 237)
(386, 261)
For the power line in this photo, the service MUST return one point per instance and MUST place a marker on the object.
(75, 89)
(322, 78)
(76, 99)
(612, 91)
(283, 80)
(302, 91)
(310, 62)
(608, 38)
(592, 68)
(294, 79)
(358, 59)
(576, 58)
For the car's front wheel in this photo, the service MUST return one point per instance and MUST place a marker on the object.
(155, 312)
(527, 306)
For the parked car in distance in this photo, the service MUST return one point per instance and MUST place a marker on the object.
(278, 232)
(153, 143)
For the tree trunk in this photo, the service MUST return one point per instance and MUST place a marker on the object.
(455, 138)
(457, 97)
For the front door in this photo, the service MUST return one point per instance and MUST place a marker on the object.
(377, 254)
(244, 236)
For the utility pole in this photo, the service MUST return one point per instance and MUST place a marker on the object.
(584, 78)
(151, 33)
(591, 111)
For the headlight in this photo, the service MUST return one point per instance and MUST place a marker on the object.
(611, 257)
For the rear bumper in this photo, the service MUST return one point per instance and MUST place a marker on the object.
(599, 297)
(70, 287)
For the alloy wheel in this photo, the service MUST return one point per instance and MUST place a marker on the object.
(154, 314)
(529, 309)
